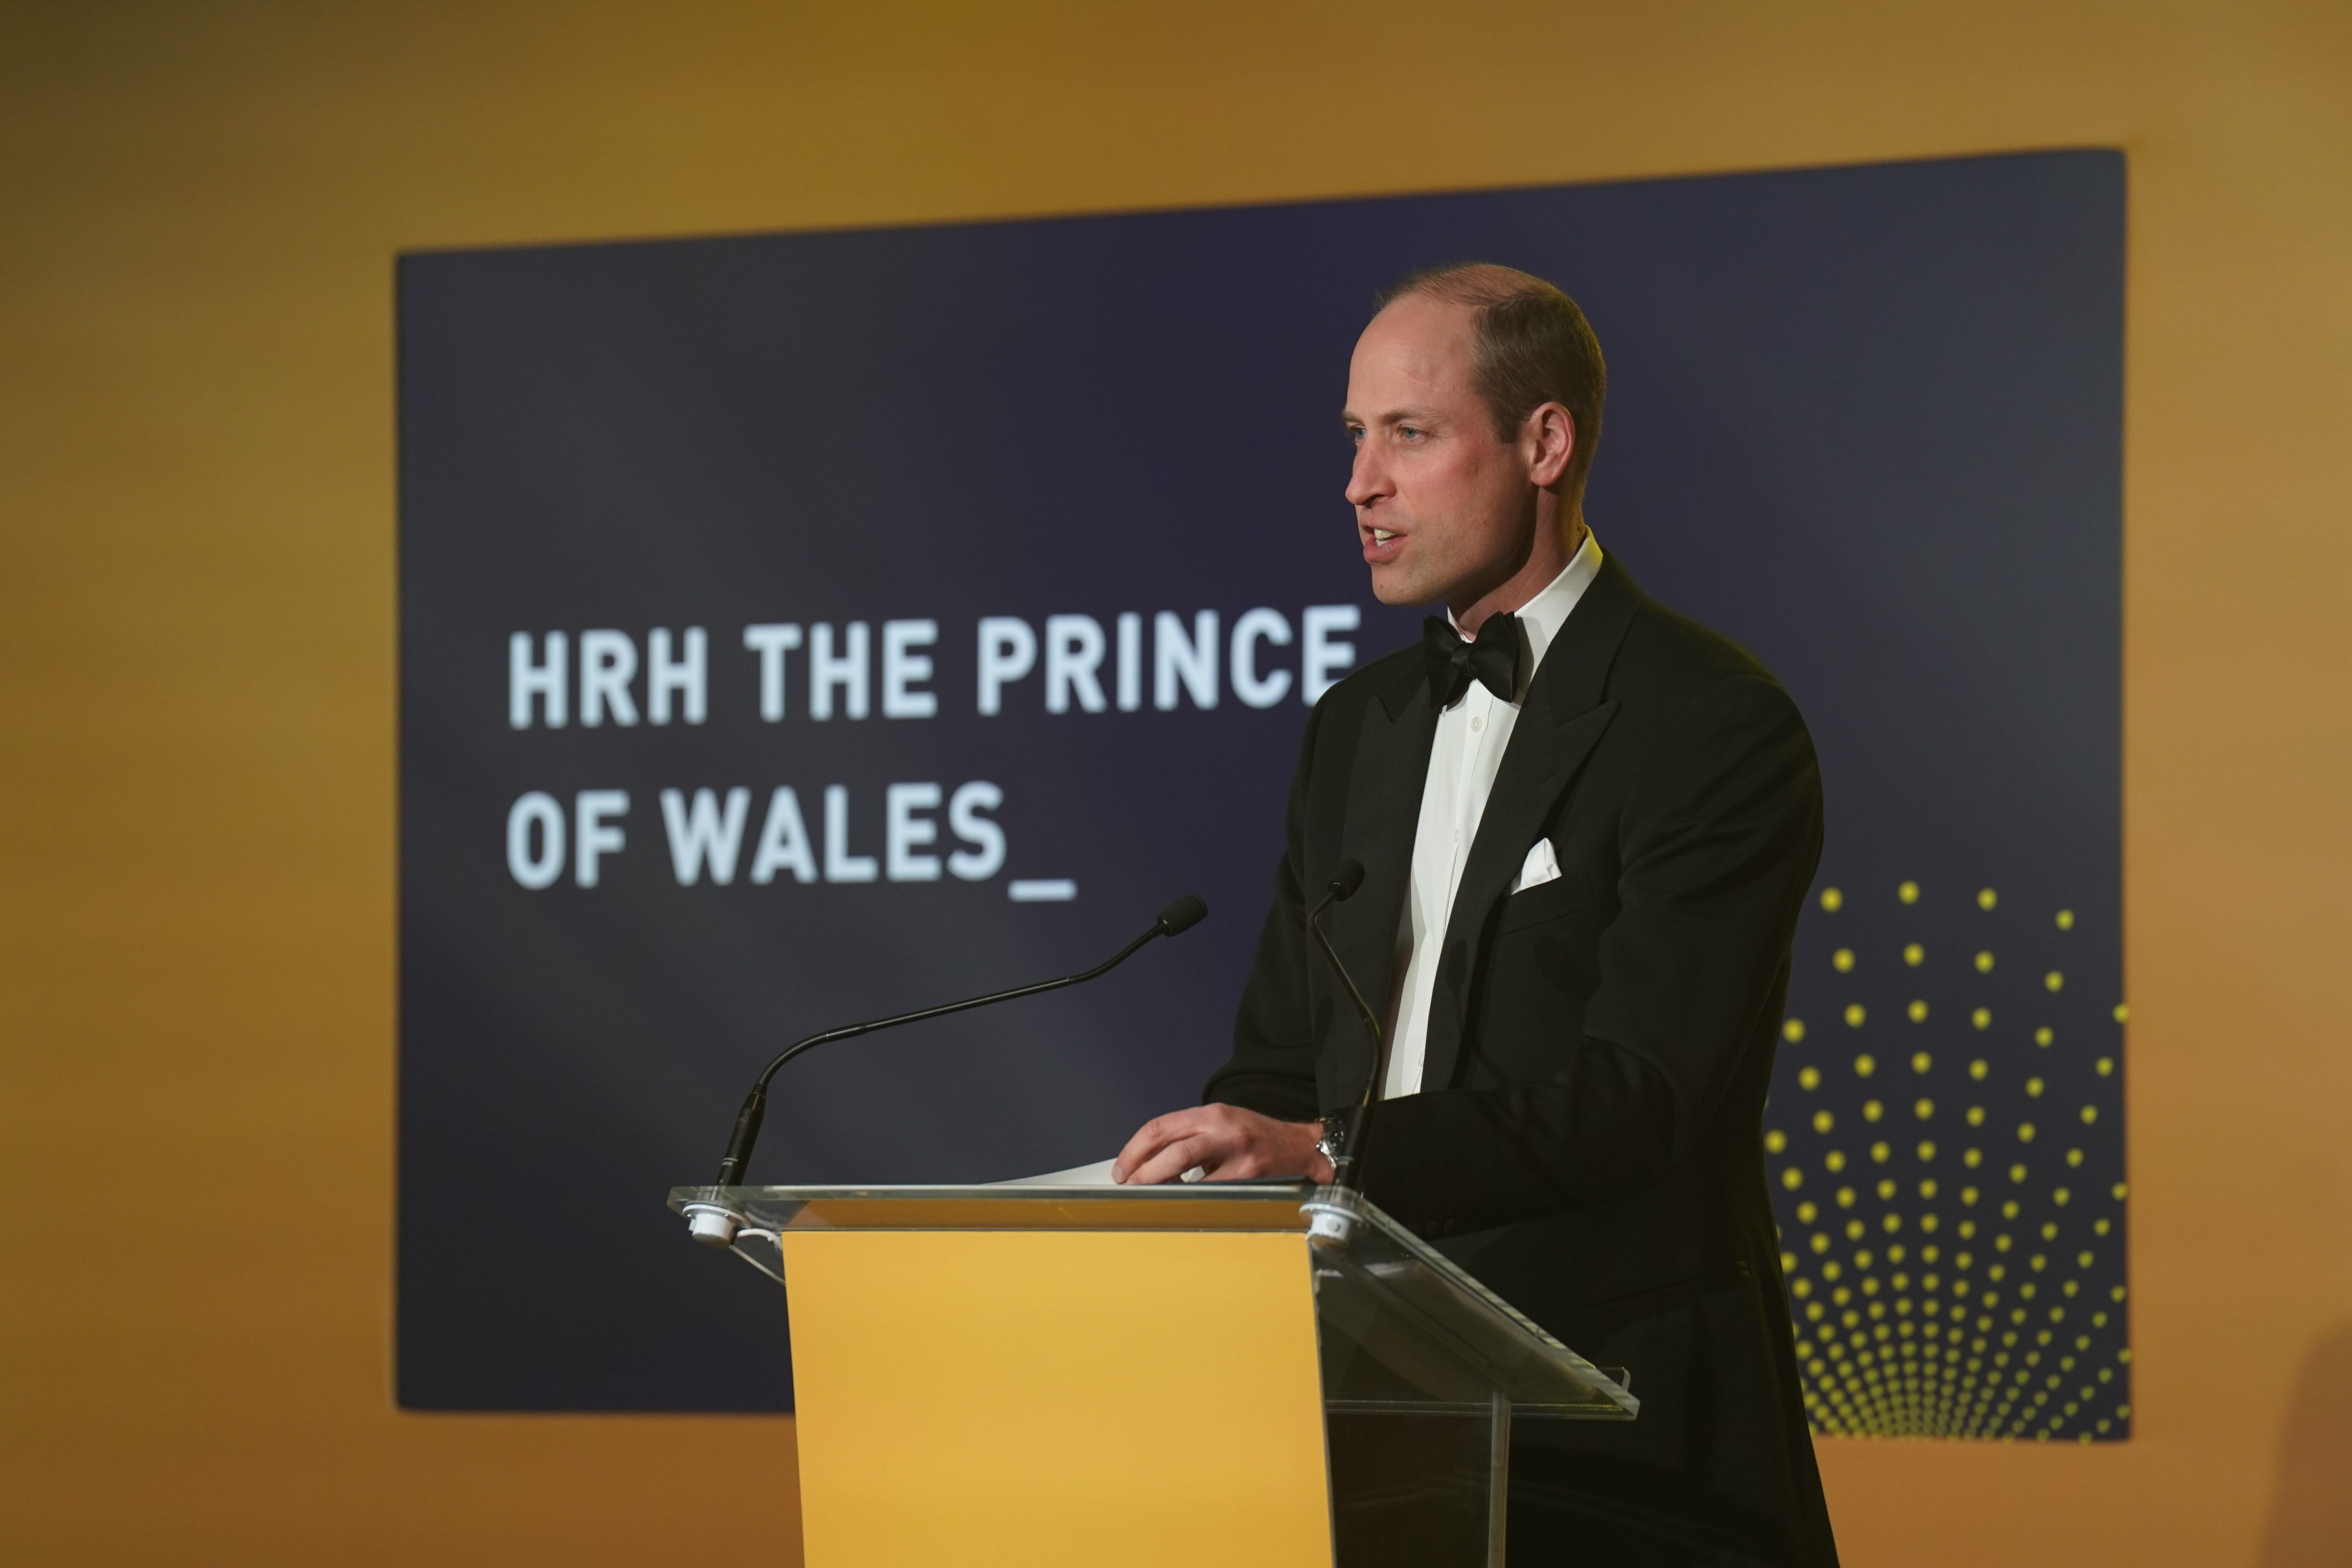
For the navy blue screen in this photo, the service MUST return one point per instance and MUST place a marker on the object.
(1866, 421)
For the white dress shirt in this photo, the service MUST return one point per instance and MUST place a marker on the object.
(1471, 736)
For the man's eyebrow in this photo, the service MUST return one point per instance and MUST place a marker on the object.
(1404, 416)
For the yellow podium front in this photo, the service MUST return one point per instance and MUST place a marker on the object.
(1155, 1378)
(1046, 1397)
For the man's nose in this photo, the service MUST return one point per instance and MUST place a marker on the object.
(1366, 481)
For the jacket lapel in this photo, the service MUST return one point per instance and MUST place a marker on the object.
(1562, 719)
(1384, 813)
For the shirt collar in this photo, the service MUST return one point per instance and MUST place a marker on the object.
(1541, 617)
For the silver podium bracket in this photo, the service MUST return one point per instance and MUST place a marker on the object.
(712, 1225)
(1332, 1217)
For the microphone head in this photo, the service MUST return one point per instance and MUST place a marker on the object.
(1346, 879)
(1182, 915)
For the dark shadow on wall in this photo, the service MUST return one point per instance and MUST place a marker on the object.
(2311, 1519)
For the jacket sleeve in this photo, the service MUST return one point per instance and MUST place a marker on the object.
(1272, 1069)
(1718, 838)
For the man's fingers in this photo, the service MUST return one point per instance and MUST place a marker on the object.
(1172, 1160)
(1139, 1149)
(1229, 1144)
(1149, 1139)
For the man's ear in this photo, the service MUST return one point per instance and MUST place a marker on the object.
(1548, 436)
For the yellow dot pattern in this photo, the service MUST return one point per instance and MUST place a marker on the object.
(1963, 1279)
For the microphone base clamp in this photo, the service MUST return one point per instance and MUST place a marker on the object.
(1333, 1214)
(712, 1225)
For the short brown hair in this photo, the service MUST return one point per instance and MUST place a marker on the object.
(1533, 347)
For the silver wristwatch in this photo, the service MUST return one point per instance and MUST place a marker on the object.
(1333, 1144)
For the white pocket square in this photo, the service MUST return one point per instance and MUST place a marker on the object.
(1541, 866)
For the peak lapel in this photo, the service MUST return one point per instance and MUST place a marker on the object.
(1562, 719)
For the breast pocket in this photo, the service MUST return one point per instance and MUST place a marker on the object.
(1563, 895)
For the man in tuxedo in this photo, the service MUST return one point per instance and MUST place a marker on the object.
(1587, 826)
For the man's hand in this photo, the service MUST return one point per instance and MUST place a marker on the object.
(1228, 1143)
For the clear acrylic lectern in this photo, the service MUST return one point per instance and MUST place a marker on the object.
(1138, 1375)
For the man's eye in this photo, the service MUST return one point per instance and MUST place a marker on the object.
(1410, 432)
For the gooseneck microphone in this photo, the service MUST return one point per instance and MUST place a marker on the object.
(714, 1226)
(1334, 1221)
(1341, 887)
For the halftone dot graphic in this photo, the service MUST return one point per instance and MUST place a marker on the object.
(1971, 1284)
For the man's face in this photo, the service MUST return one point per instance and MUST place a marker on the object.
(1445, 510)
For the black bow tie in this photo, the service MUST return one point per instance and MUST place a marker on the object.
(1493, 661)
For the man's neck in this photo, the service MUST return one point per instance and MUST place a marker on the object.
(1549, 550)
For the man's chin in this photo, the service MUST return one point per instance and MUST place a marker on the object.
(1392, 586)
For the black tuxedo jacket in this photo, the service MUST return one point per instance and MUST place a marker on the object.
(1589, 1137)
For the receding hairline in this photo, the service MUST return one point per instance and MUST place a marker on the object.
(1476, 285)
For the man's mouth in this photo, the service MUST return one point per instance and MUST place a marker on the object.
(1381, 546)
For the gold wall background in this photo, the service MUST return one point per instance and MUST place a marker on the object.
(199, 205)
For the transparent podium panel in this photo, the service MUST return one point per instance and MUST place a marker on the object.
(1423, 1370)
(1420, 1369)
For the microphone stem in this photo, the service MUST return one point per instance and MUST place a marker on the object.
(1113, 961)
(1363, 1011)
(746, 1121)
(1347, 1172)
